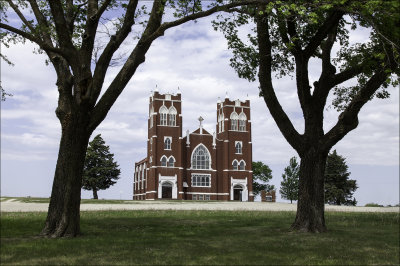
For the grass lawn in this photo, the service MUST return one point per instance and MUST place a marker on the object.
(202, 237)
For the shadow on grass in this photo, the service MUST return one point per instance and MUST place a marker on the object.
(202, 237)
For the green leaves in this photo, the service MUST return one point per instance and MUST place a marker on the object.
(262, 174)
(100, 170)
(339, 188)
(290, 184)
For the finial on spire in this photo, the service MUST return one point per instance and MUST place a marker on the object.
(226, 95)
(156, 90)
(179, 91)
(219, 100)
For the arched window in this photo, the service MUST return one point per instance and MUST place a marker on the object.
(221, 123)
(163, 115)
(234, 165)
(201, 158)
(167, 143)
(242, 165)
(238, 147)
(151, 116)
(172, 116)
(163, 161)
(242, 122)
(171, 161)
(234, 121)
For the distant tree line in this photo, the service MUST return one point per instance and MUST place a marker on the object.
(339, 189)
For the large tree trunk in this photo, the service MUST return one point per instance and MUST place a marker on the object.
(311, 206)
(95, 194)
(63, 214)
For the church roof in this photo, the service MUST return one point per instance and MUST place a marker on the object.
(205, 132)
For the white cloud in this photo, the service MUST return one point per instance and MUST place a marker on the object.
(195, 59)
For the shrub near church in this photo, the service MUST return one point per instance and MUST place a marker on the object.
(199, 166)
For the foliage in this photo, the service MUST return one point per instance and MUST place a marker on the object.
(262, 174)
(287, 38)
(82, 40)
(4, 94)
(290, 184)
(381, 18)
(208, 237)
(339, 188)
(100, 171)
(373, 205)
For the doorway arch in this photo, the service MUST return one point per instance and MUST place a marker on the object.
(166, 190)
(237, 192)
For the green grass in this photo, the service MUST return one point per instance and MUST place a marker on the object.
(202, 237)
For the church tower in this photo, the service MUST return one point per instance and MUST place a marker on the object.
(164, 145)
(234, 130)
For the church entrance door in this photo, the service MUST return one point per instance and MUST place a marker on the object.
(237, 192)
(166, 190)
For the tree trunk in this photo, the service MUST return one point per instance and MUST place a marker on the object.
(311, 205)
(63, 214)
(95, 194)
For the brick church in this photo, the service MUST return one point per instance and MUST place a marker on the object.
(199, 166)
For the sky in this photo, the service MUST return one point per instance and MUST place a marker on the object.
(194, 58)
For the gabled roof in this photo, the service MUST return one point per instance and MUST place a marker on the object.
(141, 161)
(205, 132)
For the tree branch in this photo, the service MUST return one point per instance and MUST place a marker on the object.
(291, 30)
(166, 25)
(322, 32)
(21, 16)
(324, 84)
(112, 46)
(41, 19)
(348, 119)
(62, 30)
(347, 74)
(32, 38)
(153, 30)
(267, 89)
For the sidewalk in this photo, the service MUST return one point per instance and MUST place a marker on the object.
(15, 206)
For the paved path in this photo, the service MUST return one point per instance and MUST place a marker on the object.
(15, 206)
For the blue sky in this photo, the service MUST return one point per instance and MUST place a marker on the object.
(195, 58)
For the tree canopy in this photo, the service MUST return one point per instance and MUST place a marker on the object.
(290, 184)
(100, 170)
(285, 37)
(339, 188)
(82, 39)
(262, 174)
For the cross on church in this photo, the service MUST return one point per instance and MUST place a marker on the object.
(201, 119)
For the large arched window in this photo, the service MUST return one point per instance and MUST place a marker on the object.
(201, 158)
(172, 116)
(163, 161)
(234, 121)
(163, 115)
(242, 122)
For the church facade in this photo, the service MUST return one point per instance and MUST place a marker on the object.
(200, 165)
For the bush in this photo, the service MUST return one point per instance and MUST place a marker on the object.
(373, 205)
